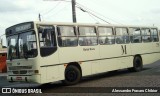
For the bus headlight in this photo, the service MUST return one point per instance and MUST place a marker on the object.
(33, 71)
(9, 72)
(30, 72)
(36, 71)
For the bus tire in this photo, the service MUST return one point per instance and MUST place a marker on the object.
(137, 64)
(72, 75)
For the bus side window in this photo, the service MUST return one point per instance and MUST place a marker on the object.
(47, 40)
(67, 36)
(146, 35)
(106, 36)
(135, 35)
(154, 35)
(87, 36)
(46, 36)
(122, 36)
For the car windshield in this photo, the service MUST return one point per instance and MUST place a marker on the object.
(22, 45)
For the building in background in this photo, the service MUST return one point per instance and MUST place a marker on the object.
(3, 57)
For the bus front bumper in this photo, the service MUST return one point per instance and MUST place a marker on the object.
(24, 78)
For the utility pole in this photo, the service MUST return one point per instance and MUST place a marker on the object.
(39, 16)
(74, 11)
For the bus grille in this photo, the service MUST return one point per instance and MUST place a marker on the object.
(20, 67)
(15, 72)
(20, 72)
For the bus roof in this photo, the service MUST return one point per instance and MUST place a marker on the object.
(89, 24)
(81, 24)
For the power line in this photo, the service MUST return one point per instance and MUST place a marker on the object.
(52, 9)
(93, 17)
(57, 11)
(81, 7)
(62, 0)
(73, 2)
(92, 14)
(97, 13)
(46, 13)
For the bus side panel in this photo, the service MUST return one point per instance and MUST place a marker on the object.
(150, 52)
(126, 55)
(107, 54)
(156, 50)
(68, 54)
(49, 68)
(109, 65)
(147, 51)
(87, 55)
(61, 70)
(136, 48)
(148, 56)
(52, 73)
(86, 68)
(43, 72)
(114, 57)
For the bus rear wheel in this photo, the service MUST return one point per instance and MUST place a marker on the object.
(137, 64)
(72, 75)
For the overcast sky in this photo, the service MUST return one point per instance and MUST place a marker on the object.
(132, 12)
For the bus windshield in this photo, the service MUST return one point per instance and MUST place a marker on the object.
(22, 45)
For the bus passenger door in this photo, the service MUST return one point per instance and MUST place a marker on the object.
(49, 54)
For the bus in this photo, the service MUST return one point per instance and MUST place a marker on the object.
(44, 52)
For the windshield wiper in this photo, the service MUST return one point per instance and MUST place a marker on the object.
(25, 50)
(25, 55)
(11, 58)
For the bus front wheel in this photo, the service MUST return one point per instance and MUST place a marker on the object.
(72, 75)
